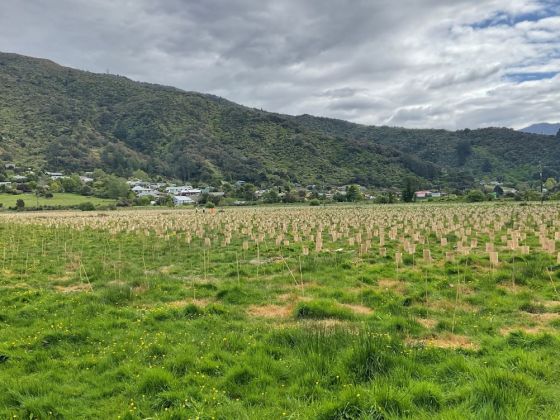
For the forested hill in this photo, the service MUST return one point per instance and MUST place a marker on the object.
(57, 118)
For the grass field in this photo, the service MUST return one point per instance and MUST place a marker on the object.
(59, 199)
(446, 312)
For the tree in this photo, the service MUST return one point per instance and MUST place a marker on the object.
(290, 197)
(353, 193)
(463, 150)
(20, 204)
(115, 187)
(141, 175)
(71, 184)
(475, 196)
(408, 191)
(550, 184)
(271, 196)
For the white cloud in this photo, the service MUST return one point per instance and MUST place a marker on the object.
(415, 63)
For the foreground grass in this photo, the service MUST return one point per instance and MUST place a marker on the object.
(58, 199)
(102, 324)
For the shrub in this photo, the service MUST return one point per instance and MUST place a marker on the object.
(427, 395)
(315, 202)
(155, 381)
(86, 206)
(370, 357)
(475, 196)
(352, 405)
(192, 311)
(319, 309)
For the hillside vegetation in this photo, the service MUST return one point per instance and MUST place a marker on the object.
(57, 118)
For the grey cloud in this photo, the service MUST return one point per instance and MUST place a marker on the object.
(418, 63)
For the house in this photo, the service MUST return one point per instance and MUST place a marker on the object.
(137, 183)
(220, 194)
(421, 195)
(10, 166)
(177, 190)
(181, 200)
(55, 175)
(143, 191)
(150, 193)
(19, 178)
(191, 192)
(86, 179)
(504, 191)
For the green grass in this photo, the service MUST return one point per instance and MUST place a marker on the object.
(105, 322)
(58, 199)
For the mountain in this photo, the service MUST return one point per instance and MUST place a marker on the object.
(57, 118)
(546, 129)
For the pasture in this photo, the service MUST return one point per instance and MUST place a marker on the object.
(343, 312)
(58, 199)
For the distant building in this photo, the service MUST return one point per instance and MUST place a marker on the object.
(55, 175)
(500, 191)
(177, 190)
(181, 200)
(421, 195)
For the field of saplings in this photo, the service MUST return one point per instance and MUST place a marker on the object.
(344, 312)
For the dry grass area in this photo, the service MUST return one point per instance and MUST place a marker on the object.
(446, 341)
(271, 311)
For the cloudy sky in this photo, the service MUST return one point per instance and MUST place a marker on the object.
(413, 63)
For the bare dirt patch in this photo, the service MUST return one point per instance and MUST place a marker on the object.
(293, 297)
(138, 290)
(551, 304)
(449, 305)
(534, 330)
(543, 318)
(511, 288)
(358, 309)
(74, 288)
(447, 341)
(427, 322)
(184, 302)
(392, 285)
(270, 311)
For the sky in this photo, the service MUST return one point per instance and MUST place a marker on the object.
(411, 63)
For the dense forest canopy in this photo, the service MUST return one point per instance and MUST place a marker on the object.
(56, 118)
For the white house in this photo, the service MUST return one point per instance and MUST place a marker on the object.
(55, 175)
(178, 190)
(149, 193)
(422, 194)
(143, 191)
(191, 192)
(180, 200)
